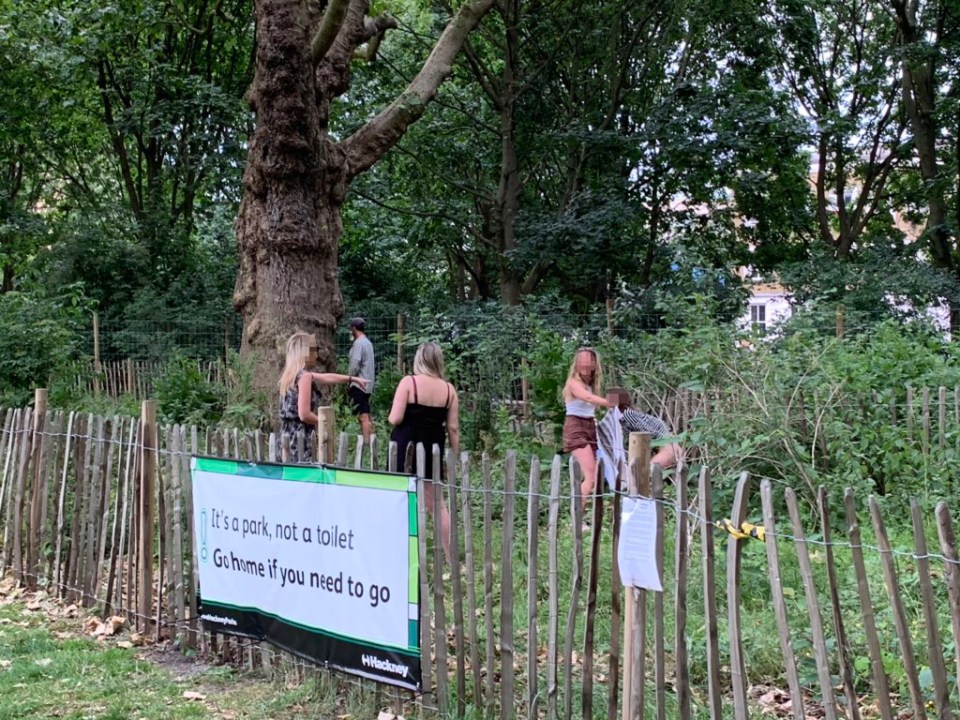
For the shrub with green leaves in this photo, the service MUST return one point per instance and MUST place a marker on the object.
(40, 335)
(184, 395)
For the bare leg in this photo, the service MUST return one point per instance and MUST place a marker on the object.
(444, 523)
(366, 427)
(587, 458)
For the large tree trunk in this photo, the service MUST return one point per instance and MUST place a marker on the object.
(289, 224)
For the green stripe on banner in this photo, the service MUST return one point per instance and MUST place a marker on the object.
(413, 633)
(410, 649)
(412, 507)
(274, 472)
(373, 481)
(308, 473)
(226, 467)
(413, 580)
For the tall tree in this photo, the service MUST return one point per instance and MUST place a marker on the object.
(835, 60)
(298, 172)
(923, 30)
(571, 130)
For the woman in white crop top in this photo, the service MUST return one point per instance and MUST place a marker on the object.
(580, 397)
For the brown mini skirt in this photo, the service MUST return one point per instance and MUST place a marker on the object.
(579, 432)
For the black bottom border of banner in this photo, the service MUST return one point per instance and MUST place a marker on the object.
(322, 650)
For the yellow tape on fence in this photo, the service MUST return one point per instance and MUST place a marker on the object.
(746, 529)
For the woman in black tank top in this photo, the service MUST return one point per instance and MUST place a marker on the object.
(416, 420)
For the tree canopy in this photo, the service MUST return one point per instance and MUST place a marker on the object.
(638, 151)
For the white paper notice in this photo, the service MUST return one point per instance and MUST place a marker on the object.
(636, 553)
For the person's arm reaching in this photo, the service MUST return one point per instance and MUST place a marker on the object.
(580, 392)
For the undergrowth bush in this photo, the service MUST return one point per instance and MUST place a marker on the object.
(40, 336)
(797, 407)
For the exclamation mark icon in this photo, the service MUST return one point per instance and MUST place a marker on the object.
(203, 535)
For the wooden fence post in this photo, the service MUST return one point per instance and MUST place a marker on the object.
(610, 316)
(326, 431)
(710, 596)
(131, 378)
(525, 389)
(400, 344)
(37, 494)
(841, 317)
(96, 353)
(738, 669)
(148, 465)
(17, 515)
(635, 617)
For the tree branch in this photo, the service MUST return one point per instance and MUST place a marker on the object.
(134, 195)
(427, 215)
(329, 29)
(483, 76)
(371, 142)
(372, 46)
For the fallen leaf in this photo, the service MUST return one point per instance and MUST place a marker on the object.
(193, 695)
(4, 664)
(136, 639)
(43, 662)
(125, 644)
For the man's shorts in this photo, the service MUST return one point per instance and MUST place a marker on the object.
(359, 399)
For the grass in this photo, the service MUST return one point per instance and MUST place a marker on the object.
(50, 669)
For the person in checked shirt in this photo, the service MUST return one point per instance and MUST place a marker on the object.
(632, 420)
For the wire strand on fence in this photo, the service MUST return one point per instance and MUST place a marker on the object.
(476, 490)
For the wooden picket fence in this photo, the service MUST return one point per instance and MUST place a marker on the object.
(134, 378)
(535, 622)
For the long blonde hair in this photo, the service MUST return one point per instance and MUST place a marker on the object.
(428, 360)
(596, 387)
(298, 348)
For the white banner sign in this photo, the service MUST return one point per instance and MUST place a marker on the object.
(318, 560)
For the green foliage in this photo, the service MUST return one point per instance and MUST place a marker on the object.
(184, 395)
(881, 280)
(39, 336)
(244, 405)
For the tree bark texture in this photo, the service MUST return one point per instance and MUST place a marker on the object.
(289, 220)
(289, 224)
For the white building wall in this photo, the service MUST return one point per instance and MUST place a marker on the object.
(775, 307)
